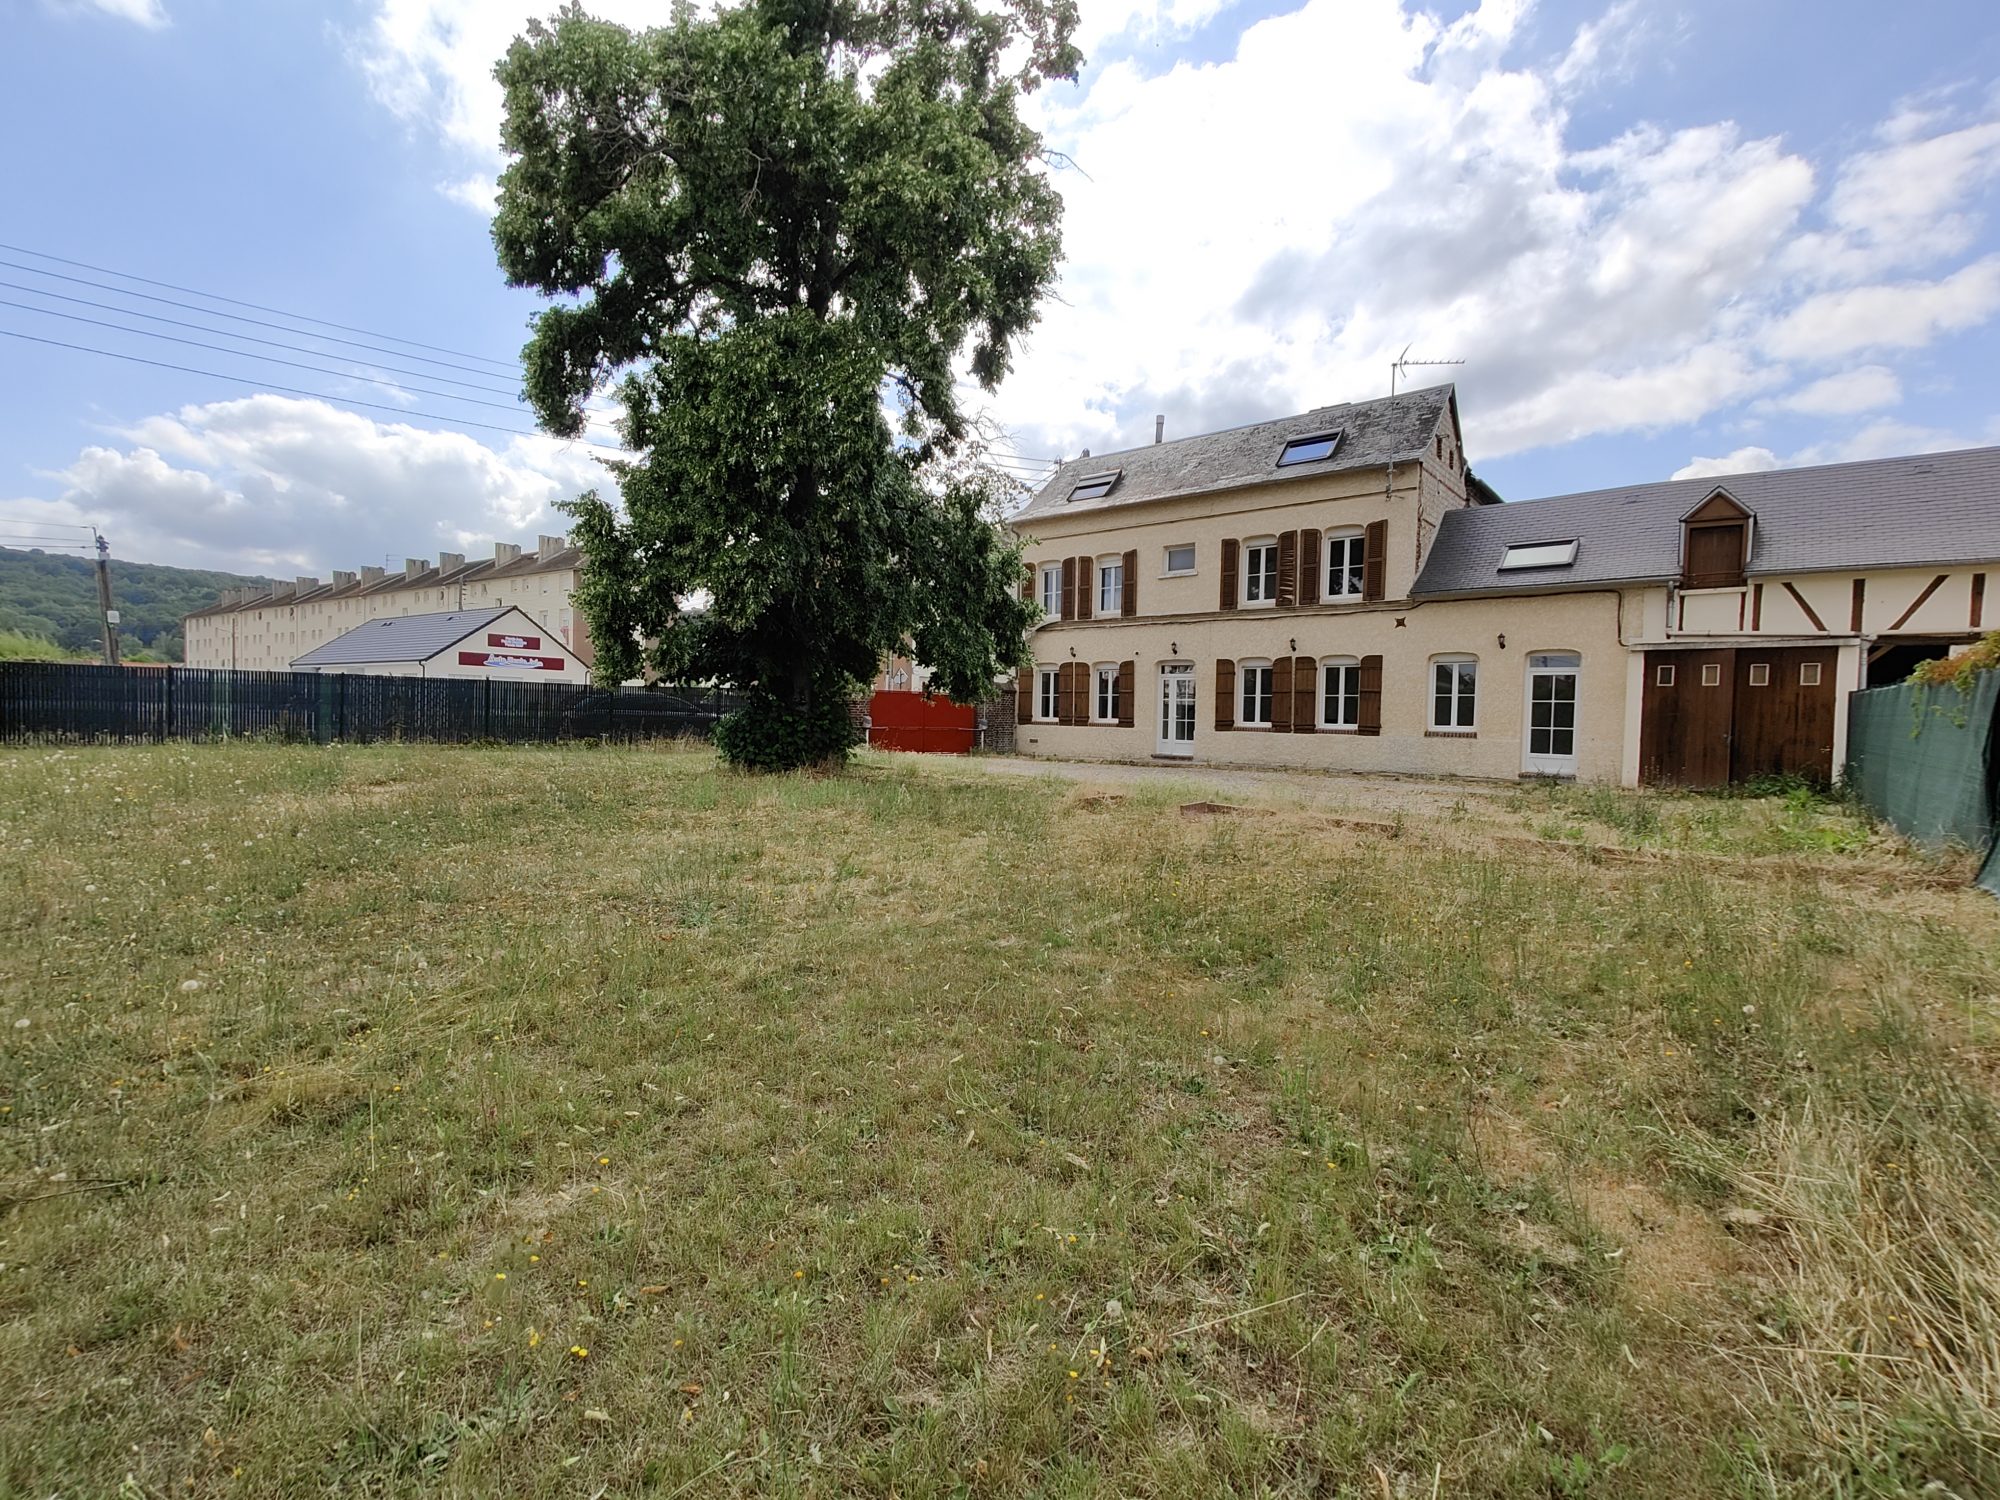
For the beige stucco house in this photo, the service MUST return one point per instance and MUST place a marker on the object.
(1336, 590)
(265, 630)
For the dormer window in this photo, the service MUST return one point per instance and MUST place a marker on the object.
(1538, 555)
(1094, 486)
(1715, 543)
(1305, 450)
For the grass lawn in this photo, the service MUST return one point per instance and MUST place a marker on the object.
(566, 1122)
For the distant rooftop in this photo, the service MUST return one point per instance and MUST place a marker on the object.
(401, 638)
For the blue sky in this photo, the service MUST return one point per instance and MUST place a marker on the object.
(1664, 238)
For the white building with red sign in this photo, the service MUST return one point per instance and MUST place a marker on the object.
(490, 643)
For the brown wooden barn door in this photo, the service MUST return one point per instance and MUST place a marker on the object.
(1784, 713)
(1687, 718)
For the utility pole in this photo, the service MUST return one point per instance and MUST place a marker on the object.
(104, 601)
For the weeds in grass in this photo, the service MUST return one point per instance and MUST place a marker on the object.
(532, 1122)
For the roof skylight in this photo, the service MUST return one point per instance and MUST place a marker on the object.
(1095, 486)
(1305, 450)
(1539, 555)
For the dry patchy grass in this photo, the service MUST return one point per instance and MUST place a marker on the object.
(565, 1122)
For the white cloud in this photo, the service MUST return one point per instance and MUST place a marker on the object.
(278, 485)
(1258, 234)
(1866, 388)
(1883, 438)
(1901, 315)
(1742, 461)
(147, 13)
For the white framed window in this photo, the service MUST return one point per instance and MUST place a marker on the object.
(1760, 674)
(1179, 561)
(1454, 694)
(1663, 676)
(1254, 689)
(1808, 674)
(1051, 590)
(1340, 693)
(1346, 564)
(1260, 571)
(1110, 585)
(1104, 680)
(1048, 693)
(1711, 674)
(1521, 555)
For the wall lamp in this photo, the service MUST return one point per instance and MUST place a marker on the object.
(1502, 639)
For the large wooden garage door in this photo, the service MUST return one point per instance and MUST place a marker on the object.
(1712, 717)
(1685, 718)
(1784, 713)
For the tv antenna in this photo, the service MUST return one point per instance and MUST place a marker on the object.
(1404, 362)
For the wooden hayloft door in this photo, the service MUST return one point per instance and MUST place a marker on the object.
(1686, 718)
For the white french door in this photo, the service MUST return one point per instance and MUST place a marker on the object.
(1548, 745)
(1176, 708)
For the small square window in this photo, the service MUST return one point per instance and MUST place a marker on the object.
(1180, 559)
(1808, 674)
(1307, 450)
(1663, 676)
(1711, 674)
(1760, 674)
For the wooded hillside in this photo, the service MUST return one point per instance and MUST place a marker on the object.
(55, 596)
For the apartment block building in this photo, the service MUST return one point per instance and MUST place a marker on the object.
(1336, 589)
(266, 630)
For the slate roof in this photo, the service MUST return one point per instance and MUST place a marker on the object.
(482, 570)
(401, 638)
(1933, 509)
(1372, 434)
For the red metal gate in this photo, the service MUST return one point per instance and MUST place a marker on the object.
(918, 721)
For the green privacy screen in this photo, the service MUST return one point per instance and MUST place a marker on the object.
(1924, 758)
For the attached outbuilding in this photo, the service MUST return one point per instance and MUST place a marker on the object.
(475, 643)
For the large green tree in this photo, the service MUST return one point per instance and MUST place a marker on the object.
(783, 233)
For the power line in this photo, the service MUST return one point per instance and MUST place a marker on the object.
(245, 338)
(287, 390)
(238, 302)
(325, 338)
(147, 333)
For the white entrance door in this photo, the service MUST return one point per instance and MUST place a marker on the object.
(1549, 747)
(1177, 709)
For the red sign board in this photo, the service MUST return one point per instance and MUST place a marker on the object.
(515, 642)
(519, 661)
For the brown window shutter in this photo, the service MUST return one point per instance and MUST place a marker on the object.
(1309, 577)
(1063, 714)
(1288, 569)
(1374, 560)
(1281, 695)
(1086, 586)
(1069, 588)
(1028, 582)
(1077, 675)
(1229, 576)
(1024, 695)
(1130, 604)
(1225, 689)
(1127, 709)
(1369, 712)
(1305, 708)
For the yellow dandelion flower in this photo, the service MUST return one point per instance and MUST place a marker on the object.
(798, 1275)
(499, 1275)
(534, 1338)
(604, 1161)
(579, 1351)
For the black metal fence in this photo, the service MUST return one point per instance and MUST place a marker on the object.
(69, 701)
